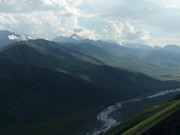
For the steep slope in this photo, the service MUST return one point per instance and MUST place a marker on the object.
(168, 126)
(160, 120)
(33, 96)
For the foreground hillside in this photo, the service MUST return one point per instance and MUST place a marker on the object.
(160, 120)
(32, 97)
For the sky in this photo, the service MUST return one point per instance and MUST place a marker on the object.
(151, 22)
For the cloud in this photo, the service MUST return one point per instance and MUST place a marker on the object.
(22, 6)
(78, 29)
(162, 41)
(121, 20)
(166, 3)
(43, 18)
(122, 32)
(87, 34)
(157, 17)
(7, 20)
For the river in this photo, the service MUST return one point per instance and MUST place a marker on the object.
(108, 121)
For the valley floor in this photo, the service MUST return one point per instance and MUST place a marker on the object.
(120, 112)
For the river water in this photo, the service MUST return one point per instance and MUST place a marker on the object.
(108, 121)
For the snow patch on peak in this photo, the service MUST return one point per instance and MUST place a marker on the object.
(20, 38)
(31, 38)
(13, 37)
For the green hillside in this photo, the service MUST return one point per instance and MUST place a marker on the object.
(156, 121)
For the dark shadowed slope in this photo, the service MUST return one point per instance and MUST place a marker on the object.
(33, 96)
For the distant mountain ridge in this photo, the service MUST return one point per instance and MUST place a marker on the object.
(137, 46)
(172, 48)
(7, 37)
(74, 38)
(155, 61)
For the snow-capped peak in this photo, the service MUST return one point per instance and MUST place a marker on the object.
(20, 38)
(7, 37)
(12, 37)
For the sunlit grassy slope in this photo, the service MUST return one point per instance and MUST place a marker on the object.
(144, 122)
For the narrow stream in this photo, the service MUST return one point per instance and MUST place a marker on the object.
(108, 122)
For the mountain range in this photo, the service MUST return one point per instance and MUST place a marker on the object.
(154, 61)
(53, 85)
